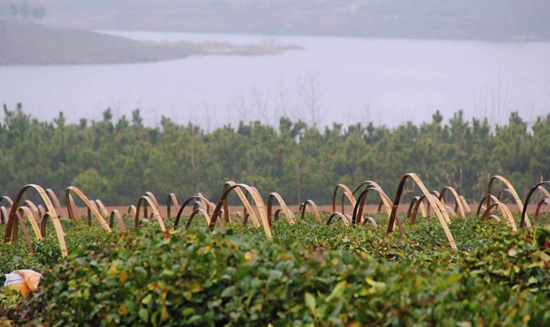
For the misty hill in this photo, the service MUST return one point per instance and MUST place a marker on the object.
(450, 19)
(23, 44)
(32, 44)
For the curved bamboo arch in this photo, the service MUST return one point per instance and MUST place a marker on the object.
(244, 199)
(94, 205)
(70, 202)
(339, 215)
(310, 204)
(506, 214)
(23, 229)
(3, 209)
(115, 214)
(8, 199)
(370, 220)
(41, 210)
(55, 199)
(25, 211)
(465, 204)
(441, 208)
(132, 210)
(545, 193)
(384, 198)
(195, 198)
(524, 217)
(206, 217)
(172, 199)
(502, 193)
(32, 207)
(433, 203)
(3, 215)
(480, 205)
(543, 201)
(289, 215)
(276, 214)
(513, 192)
(44, 224)
(204, 214)
(438, 203)
(154, 198)
(50, 212)
(345, 192)
(360, 204)
(257, 200)
(366, 183)
(207, 204)
(458, 202)
(380, 204)
(143, 201)
(415, 203)
(194, 213)
(101, 208)
(91, 207)
(436, 194)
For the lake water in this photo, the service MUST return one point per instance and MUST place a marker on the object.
(347, 80)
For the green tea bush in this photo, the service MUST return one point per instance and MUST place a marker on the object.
(309, 275)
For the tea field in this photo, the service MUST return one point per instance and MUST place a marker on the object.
(310, 274)
(266, 267)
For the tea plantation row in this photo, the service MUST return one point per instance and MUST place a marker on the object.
(309, 275)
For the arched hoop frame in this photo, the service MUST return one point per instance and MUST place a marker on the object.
(459, 205)
(524, 218)
(431, 201)
(416, 203)
(143, 201)
(310, 206)
(359, 205)
(480, 206)
(115, 214)
(512, 191)
(346, 192)
(50, 212)
(70, 204)
(171, 200)
(289, 215)
(506, 214)
(257, 200)
(195, 199)
(243, 196)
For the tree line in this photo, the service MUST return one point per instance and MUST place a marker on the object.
(118, 160)
(16, 10)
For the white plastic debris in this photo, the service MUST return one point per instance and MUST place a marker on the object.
(23, 280)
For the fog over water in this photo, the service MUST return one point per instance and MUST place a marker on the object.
(342, 79)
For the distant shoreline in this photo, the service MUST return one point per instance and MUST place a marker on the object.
(503, 21)
(24, 44)
(510, 39)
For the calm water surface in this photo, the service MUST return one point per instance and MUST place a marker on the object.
(347, 80)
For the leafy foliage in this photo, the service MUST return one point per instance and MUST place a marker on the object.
(309, 275)
(118, 160)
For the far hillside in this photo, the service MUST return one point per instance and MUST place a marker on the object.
(501, 20)
(24, 43)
